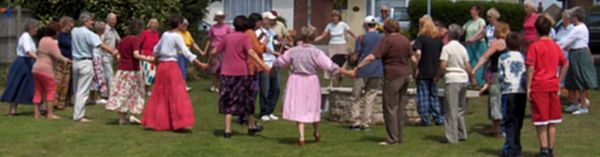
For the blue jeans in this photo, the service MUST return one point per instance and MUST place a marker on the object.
(182, 62)
(428, 102)
(269, 92)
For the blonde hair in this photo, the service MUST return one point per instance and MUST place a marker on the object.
(492, 12)
(150, 21)
(308, 34)
(337, 13)
(428, 27)
(501, 30)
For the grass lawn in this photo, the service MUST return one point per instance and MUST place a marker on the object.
(24, 136)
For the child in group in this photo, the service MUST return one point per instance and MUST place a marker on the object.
(303, 94)
(512, 71)
(455, 67)
(170, 107)
(127, 93)
(543, 56)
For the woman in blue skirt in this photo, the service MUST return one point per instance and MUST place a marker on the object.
(19, 85)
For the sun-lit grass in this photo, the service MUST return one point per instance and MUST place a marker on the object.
(24, 136)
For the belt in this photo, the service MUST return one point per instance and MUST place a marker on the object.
(81, 59)
(576, 49)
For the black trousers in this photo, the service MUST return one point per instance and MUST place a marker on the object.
(513, 112)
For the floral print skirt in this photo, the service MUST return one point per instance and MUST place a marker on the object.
(127, 93)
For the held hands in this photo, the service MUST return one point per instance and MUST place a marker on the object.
(203, 66)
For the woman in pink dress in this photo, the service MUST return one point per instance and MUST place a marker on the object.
(43, 72)
(216, 34)
(302, 102)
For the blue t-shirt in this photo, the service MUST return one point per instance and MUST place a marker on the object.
(512, 70)
(64, 43)
(369, 42)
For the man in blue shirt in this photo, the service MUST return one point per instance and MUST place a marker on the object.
(367, 79)
(83, 43)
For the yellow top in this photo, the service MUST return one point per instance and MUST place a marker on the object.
(187, 39)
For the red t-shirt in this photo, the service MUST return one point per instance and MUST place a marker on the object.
(545, 56)
(235, 48)
(126, 47)
(149, 39)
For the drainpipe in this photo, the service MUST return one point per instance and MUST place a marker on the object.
(309, 12)
(429, 7)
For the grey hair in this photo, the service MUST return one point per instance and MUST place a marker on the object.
(455, 32)
(109, 15)
(566, 13)
(150, 21)
(99, 26)
(186, 22)
(384, 7)
(578, 13)
(84, 16)
(29, 24)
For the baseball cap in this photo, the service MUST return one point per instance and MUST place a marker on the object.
(369, 20)
(269, 15)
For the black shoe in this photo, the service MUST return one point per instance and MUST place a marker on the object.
(354, 128)
(255, 130)
(227, 135)
(544, 152)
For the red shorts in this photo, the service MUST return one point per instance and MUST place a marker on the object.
(546, 108)
(44, 85)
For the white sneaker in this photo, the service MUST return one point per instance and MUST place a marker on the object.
(101, 101)
(212, 89)
(273, 117)
(581, 111)
(188, 88)
(148, 93)
(265, 118)
(134, 120)
(573, 107)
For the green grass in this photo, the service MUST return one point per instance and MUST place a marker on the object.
(24, 136)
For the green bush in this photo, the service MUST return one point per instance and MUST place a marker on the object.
(450, 12)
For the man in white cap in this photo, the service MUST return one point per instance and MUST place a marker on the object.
(367, 79)
(269, 83)
(279, 28)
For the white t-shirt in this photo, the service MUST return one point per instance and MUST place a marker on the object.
(169, 45)
(26, 44)
(456, 56)
(337, 32)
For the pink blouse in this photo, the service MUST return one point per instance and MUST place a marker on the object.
(48, 53)
(529, 31)
(306, 60)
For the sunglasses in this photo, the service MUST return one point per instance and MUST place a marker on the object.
(384, 11)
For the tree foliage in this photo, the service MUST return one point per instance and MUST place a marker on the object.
(126, 10)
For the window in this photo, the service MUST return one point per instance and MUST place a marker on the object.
(397, 6)
(234, 8)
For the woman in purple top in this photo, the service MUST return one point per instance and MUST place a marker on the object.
(303, 95)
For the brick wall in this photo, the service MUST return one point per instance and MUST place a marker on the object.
(321, 10)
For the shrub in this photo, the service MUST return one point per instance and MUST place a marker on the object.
(451, 12)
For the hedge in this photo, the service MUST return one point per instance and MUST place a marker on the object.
(451, 12)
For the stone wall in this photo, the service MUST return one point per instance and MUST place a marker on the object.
(340, 104)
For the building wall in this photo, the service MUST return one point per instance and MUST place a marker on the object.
(582, 3)
(285, 8)
(320, 11)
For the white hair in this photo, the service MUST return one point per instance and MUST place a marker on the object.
(109, 15)
(85, 16)
(384, 7)
(150, 21)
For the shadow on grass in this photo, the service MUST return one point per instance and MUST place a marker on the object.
(371, 139)
(498, 152)
(435, 138)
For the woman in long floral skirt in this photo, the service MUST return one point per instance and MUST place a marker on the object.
(127, 93)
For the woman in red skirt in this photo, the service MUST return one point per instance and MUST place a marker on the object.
(169, 107)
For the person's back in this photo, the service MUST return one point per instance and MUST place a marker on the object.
(303, 59)
(365, 46)
(47, 48)
(545, 56)
(82, 46)
(126, 47)
(512, 70)
(395, 52)
(456, 56)
(430, 54)
(234, 48)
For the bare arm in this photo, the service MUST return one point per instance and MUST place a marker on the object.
(137, 55)
(322, 36)
(530, 71)
(471, 74)
(489, 52)
(31, 54)
(478, 35)
(442, 70)
(351, 33)
(370, 58)
(257, 59)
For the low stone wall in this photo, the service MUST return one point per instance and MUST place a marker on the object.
(340, 104)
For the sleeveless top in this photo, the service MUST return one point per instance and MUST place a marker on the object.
(495, 57)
